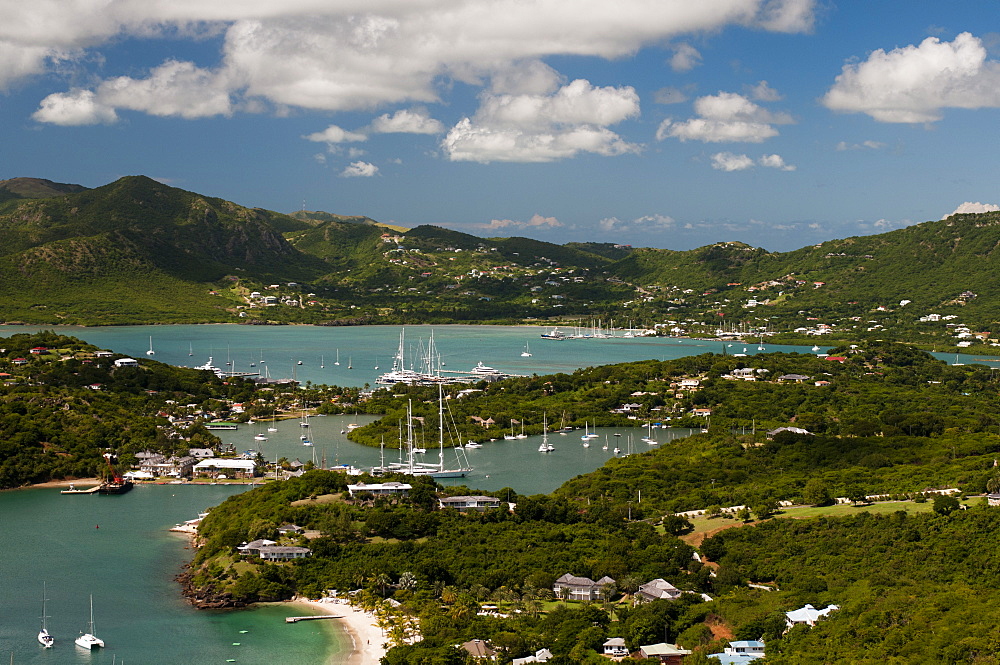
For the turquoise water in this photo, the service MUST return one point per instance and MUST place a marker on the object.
(363, 348)
(129, 564)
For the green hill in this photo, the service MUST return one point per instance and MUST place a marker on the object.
(136, 250)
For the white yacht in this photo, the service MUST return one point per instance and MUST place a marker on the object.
(44, 638)
(88, 640)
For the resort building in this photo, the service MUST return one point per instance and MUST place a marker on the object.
(571, 587)
(225, 468)
(615, 647)
(380, 489)
(283, 552)
(464, 503)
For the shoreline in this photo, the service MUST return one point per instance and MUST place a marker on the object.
(366, 637)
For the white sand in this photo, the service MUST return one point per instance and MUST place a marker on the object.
(361, 626)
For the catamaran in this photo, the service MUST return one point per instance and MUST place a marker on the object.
(88, 640)
(44, 638)
(151, 352)
(545, 446)
(527, 352)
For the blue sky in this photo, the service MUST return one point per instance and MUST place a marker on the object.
(658, 123)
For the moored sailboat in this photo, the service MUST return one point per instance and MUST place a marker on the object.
(88, 640)
(44, 638)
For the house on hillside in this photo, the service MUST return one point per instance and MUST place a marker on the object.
(463, 503)
(797, 378)
(740, 653)
(479, 650)
(665, 653)
(580, 588)
(658, 589)
(541, 656)
(807, 615)
(615, 647)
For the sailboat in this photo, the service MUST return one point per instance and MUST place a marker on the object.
(337, 361)
(512, 436)
(190, 349)
(545, 446)
(321, 363)
(349, 365)
(151, 352)
(526, 353)
(587, 435)
(522, 435)
(88, 640)
(271, 427)
(649, 435)
(44, 638)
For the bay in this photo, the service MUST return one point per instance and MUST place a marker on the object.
(362, 349)
(129, 563)
(119, 549)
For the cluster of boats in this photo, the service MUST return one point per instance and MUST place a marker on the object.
(86, 640)
(431, 371)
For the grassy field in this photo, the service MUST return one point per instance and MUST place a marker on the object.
(707, 526)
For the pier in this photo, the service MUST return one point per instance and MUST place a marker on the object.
(321, 616)
(73, 490)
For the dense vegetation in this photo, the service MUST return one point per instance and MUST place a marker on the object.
(74, 255)
(64, 409)
(888, 420)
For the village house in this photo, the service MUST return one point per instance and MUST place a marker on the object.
(738, 653)
(658, 589)
(479, 650)
(580, 588)
(615, 647)
(665, 653)
(541, 656)
(126, 362)
(807, 615)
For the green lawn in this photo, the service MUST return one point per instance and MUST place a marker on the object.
(705, 525)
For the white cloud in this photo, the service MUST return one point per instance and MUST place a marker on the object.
(914, 84)
(727, 161)
(762, 92)
(775, 162)
(334, 134)
(685, 58)
(172, 89)
(336, 55)
(644, 223)
(970, 208)
(536, 221)
(407, 121)
(544, 128)
(864, 145)
(723, 118)
(78, 107)
(359, 170)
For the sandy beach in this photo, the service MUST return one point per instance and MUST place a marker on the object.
(365, 634)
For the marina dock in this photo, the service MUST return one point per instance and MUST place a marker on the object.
(321, 616)
(73, 490)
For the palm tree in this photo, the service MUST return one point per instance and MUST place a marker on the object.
(993, 484)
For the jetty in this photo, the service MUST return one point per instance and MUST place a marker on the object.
(74, 490)
(321, 616)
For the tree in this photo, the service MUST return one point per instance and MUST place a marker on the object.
(816, 492)
(945, 504)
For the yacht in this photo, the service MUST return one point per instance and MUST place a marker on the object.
(44, 638)
(527, 352)
(88, 640)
